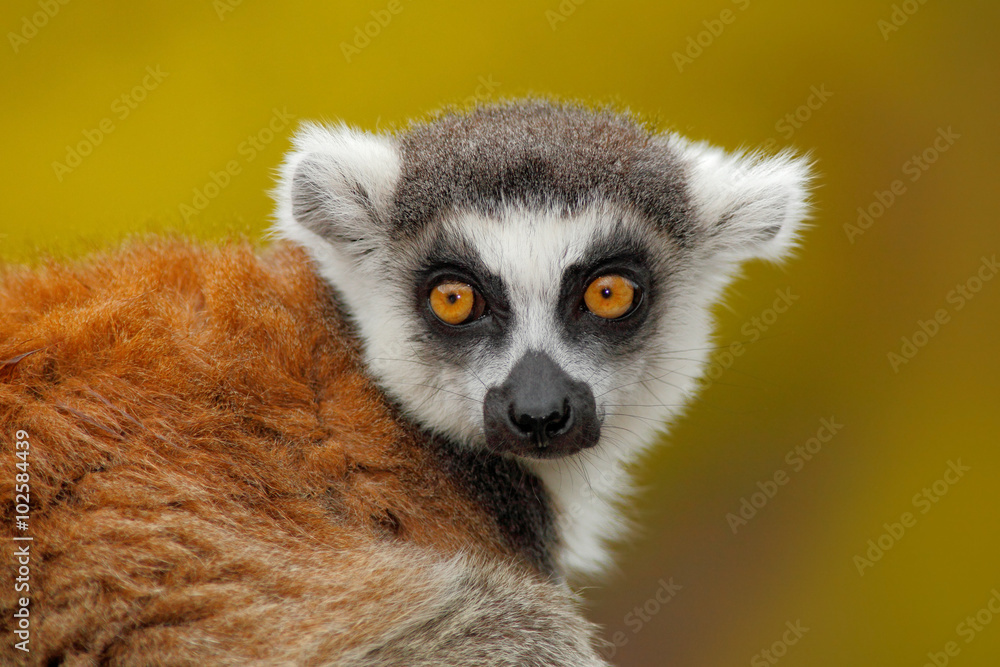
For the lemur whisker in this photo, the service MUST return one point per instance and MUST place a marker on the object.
(441, 389)
(651, 420)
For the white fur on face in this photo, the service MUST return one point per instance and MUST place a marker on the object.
(529, 251)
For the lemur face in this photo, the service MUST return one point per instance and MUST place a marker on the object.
(530, 321)
(534, 278)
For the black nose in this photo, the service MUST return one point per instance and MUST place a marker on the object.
(541, 421)
(540, 411)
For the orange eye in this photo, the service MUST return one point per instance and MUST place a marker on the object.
(455, 302)
(610, 296)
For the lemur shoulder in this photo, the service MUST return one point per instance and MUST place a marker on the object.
(395, 436)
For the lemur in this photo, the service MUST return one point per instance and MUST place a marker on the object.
(398, 436)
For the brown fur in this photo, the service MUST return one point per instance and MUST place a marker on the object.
(213, 477)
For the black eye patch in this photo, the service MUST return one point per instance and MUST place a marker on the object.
(460, 262)
(613, 256)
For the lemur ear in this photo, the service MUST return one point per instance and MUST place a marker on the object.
(748, 205)
(335, 189)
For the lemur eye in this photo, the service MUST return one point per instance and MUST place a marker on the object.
(455, 302)
(610, 296)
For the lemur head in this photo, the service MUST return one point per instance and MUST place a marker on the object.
(531, 277)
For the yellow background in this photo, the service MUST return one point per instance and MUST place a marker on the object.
(226, 71)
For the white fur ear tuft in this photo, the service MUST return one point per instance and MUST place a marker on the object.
(335, 188)
(748, 205)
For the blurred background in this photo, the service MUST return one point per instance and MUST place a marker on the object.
(833, 498)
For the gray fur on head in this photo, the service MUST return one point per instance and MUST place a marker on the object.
(541, 155)
(523, 195)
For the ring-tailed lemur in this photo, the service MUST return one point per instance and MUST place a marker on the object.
(534, 279)
(214, 479)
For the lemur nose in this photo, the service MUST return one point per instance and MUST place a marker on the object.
(540, 411)
(542, 422)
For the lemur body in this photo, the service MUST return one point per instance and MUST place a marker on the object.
(236, 462)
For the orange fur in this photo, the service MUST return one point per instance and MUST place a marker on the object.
(212, 473)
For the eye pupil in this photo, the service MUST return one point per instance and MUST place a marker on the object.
(455, 302)
(610, 296)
